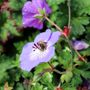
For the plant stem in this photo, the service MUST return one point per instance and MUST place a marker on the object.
(69, 26)
(52, 23)
(80, 55)
(69, 21)
(55, 70)
(69, 12)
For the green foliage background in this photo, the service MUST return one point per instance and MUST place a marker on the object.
(13, 37)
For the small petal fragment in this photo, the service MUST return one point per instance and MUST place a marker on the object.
(80, 45)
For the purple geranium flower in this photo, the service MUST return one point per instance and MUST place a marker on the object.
(79, 45)
(31, 11)
(41, 50)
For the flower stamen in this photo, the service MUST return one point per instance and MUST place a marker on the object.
(40, 45)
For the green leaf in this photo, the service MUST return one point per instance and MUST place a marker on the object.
(77, 25)
(85, 10)
(83, 7)
(5, 64)
(41, 67)
(66, 77)
(64, 58)
(37, 86)
(47, 80)
(86, 52)
(3, 17)
(19, 87)
(56, 2)
(47, 77)
(70, 88)
(76, 80)
(16, 5)
(4, 34)
(85, 74)
(9, 26)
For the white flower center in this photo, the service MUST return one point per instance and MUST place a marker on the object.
(38, 54)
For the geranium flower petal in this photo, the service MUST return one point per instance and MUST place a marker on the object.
(43, 36)
(39, 3)
(28, 22)
(29, 8)
(26, 51)
(49, 55)
(48, 9)
(37, 24)
(27, 62)
(54, 38)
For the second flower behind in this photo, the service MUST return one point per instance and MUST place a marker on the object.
(32, 13)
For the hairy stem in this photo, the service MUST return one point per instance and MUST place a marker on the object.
(58, 28)
(69, 12)
(80, 55)
(69, 26)
(55, 70)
